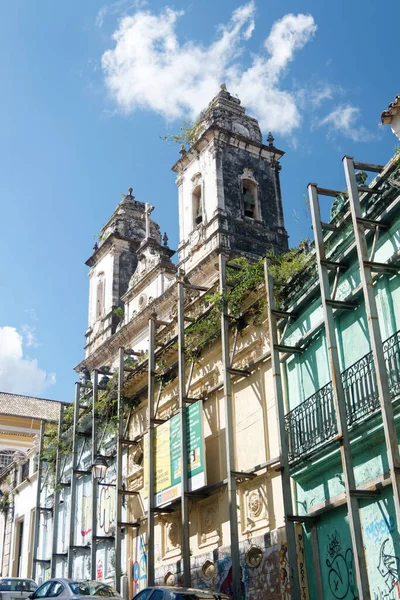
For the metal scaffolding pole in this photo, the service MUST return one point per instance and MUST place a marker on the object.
(230, 451)
(72, 515)
(93, 549)
(283, 440)
(118, 483)
(366, 267)
(150, 455)
(339, 398)
(56, 497)
(185, 543)
(37, 508)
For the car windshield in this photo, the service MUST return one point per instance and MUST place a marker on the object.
(17, 585)
(92, 588)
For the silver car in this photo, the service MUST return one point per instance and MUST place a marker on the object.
(74, 589)
(14, 588)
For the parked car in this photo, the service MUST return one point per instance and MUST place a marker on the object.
(178, 593)
(13, 588)
(74, 589)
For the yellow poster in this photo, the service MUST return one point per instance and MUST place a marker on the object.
(163, 459)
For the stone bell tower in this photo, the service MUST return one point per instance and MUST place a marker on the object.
(229, 188)
(112, 264)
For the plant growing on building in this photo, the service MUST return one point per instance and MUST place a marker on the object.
(119, 312)
(5, 501)
(188, 132)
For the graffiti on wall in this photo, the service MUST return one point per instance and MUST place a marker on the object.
(107, 508)
(340, 562)
(99, 570)
(139, 567)
(301, 561)
(389, 568)
(284, 571)
(378, 530)
(86, 516)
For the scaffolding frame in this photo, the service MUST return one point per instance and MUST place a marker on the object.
(276, 349)
(367, 266)
(73, 481)
(56, 508)
(122, 441)
(328, 304)
(37, 507)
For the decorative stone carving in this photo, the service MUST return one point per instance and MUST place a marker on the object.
(254, 557)
(170, 579)
(210, 520)
(254, 503)
(171, 538)
(208, 569)
(172, 533)
(209, 525)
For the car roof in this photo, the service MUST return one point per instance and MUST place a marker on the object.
(183, 590)
(17, 578)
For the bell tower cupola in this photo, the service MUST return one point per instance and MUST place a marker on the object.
(112, 264)
(228, 185)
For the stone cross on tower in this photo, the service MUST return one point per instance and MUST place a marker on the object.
(147, 212)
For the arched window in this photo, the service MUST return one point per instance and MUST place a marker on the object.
(100, 297)
(249, 198)
(197, 203)
(197, 200)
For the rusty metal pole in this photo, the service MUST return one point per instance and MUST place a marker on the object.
(118, 483)
(56, 497)
(382, 381)
(37, 508)
(283, 441)
(93, 549)
(150, 453)
(185, 543)
(229, 440)
(339, 401)
(72, 504)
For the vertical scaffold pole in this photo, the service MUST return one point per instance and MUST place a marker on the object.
(150, 452)
(339, 401)
(118, 483)
(72, 504)
(185, 544)
(283, 441)
(56, 508)
(93, 549)
(230, 450)
(381, 374)
(37, 509)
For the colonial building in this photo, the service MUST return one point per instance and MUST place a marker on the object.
(336, 346)
(20, 423)
(187, 489)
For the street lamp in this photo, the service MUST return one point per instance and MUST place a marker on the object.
(99, 467)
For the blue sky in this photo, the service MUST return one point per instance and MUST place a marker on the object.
(89, 86)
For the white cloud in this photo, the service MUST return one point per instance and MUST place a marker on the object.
(343, 120)
(29, 336)
(118, 7)
(149, 68)
(18, 373)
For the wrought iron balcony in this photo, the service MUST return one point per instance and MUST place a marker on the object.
(313, 422)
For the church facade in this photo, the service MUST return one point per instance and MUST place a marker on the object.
(225, 530)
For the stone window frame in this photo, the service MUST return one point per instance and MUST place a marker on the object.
(197, 201)
(248, 176)
(100, 296)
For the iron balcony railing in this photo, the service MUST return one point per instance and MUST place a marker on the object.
(313, 422)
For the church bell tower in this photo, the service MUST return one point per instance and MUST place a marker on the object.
(229, 188)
